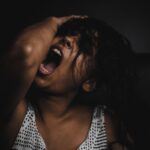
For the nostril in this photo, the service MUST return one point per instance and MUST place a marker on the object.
(66, 43)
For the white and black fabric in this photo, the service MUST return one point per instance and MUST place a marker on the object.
(29, 138)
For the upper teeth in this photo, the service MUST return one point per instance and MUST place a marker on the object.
(57, 51)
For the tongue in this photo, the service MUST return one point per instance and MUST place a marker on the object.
(47, 69)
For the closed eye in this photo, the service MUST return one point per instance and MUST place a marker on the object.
(67, 43)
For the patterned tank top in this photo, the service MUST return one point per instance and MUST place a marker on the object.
(29, 138)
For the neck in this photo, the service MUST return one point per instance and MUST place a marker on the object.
(57, 106)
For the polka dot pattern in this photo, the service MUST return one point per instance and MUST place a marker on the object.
(96, 139)
(29, 138)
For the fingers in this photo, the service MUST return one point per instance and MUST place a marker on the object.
(79, 16)
(62, 20)
(74, 16)
(58, 21)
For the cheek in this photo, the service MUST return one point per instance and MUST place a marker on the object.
(62, 82)
(81, 69)
(84, 67)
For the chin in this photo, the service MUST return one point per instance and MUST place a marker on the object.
(40, 83)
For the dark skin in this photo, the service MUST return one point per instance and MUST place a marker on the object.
(55, 116)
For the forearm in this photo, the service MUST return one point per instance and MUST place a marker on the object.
(19, 64)
(34, 42)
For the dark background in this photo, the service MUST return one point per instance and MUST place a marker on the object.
(131, 18)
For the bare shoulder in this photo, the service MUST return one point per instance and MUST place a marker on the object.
(10, 127)
(117, 134)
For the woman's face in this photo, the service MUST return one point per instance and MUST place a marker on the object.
(57, 74)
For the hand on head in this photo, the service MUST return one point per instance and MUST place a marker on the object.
(61, 20)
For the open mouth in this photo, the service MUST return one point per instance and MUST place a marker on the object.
(51, 62)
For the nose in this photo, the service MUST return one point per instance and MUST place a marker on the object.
(67, 43)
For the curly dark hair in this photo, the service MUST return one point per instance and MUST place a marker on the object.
(114, 70)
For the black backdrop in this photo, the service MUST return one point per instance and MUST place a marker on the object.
(132, 18)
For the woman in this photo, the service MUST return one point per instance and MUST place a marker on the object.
(55, 81)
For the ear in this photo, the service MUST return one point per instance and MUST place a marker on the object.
(89, 85)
